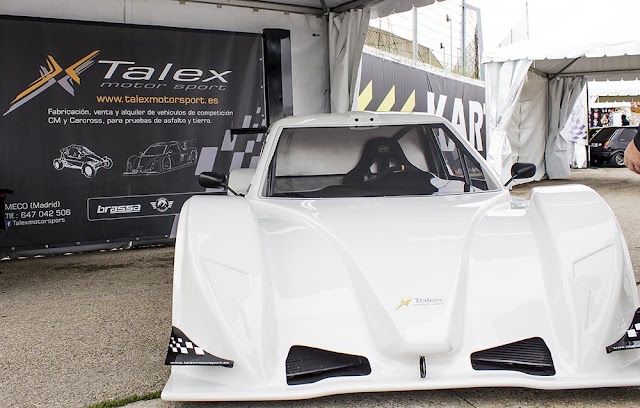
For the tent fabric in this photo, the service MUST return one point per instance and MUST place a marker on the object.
(563, 94)
(613, 88)
(527, 130)
(381, 8)
(565, 64)
(347, 33)
(595, 59)
(387, 7)
(504, 85)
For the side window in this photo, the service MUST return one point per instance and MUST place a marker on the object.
(474, 169)
(450, 153)
(172, 148)
(460, 165)
(626, 135)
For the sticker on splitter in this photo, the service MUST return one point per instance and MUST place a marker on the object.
(413, 302)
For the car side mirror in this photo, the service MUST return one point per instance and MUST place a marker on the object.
(520, 171)
(214, 179)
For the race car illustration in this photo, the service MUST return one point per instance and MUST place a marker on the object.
(162, 157)
(79, 157)
(380, 252)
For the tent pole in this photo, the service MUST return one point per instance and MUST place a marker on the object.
(608, 73)
(565, 68)
(464, 23)
(537, 71)
(414, 13)
(588, 126)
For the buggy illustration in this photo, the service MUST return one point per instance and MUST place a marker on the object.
(162, 157)
(79, 157)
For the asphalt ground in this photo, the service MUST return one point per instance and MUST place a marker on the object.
(85, 328)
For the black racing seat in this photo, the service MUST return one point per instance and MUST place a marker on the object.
(387, 156)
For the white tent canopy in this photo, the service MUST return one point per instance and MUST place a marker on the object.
(379, 8)
(614, 88)
(596, 60)
(514, 126)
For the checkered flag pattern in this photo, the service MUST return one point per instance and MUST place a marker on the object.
(179, 345)
(633, 332)
(235, 151)
(183, 351)
(631, 339)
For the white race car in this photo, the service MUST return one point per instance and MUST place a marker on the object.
(379, 252)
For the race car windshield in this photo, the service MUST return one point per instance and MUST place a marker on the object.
(86, 151)
(373, 161)
(154, 150)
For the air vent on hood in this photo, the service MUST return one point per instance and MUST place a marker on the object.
(530, 356)
(307, 365)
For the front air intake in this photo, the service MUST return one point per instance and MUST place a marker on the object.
(530, 356)
(307, 365)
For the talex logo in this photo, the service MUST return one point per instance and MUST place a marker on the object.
(420, 301)
(404, 302)
(140, 73)
(50, 75)
(119, 209)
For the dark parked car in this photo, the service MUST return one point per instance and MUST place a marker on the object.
(162, 157)
(607, 144)
(79, 157)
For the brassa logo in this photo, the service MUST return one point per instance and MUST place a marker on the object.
(119, 209)
(50, 76)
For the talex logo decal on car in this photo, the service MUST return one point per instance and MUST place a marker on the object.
(420, 301)
(48, 77)
(403, 303)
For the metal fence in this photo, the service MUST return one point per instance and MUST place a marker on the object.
(445, 34)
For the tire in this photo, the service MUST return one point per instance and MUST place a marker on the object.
(192, 157)
(108, 163)
(88, 170)
(58, 164)
(132, 163)
(617, 160)
(165, 164)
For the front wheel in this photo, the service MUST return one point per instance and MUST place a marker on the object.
(108, 163)
(165, 164)
(617, 160)
(88, 171)
(58, 164)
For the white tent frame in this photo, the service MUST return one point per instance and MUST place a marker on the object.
(565, 68)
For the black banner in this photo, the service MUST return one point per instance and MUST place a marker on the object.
(105, 126)
(390, 86)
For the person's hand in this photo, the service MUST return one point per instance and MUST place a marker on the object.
(632, 158)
